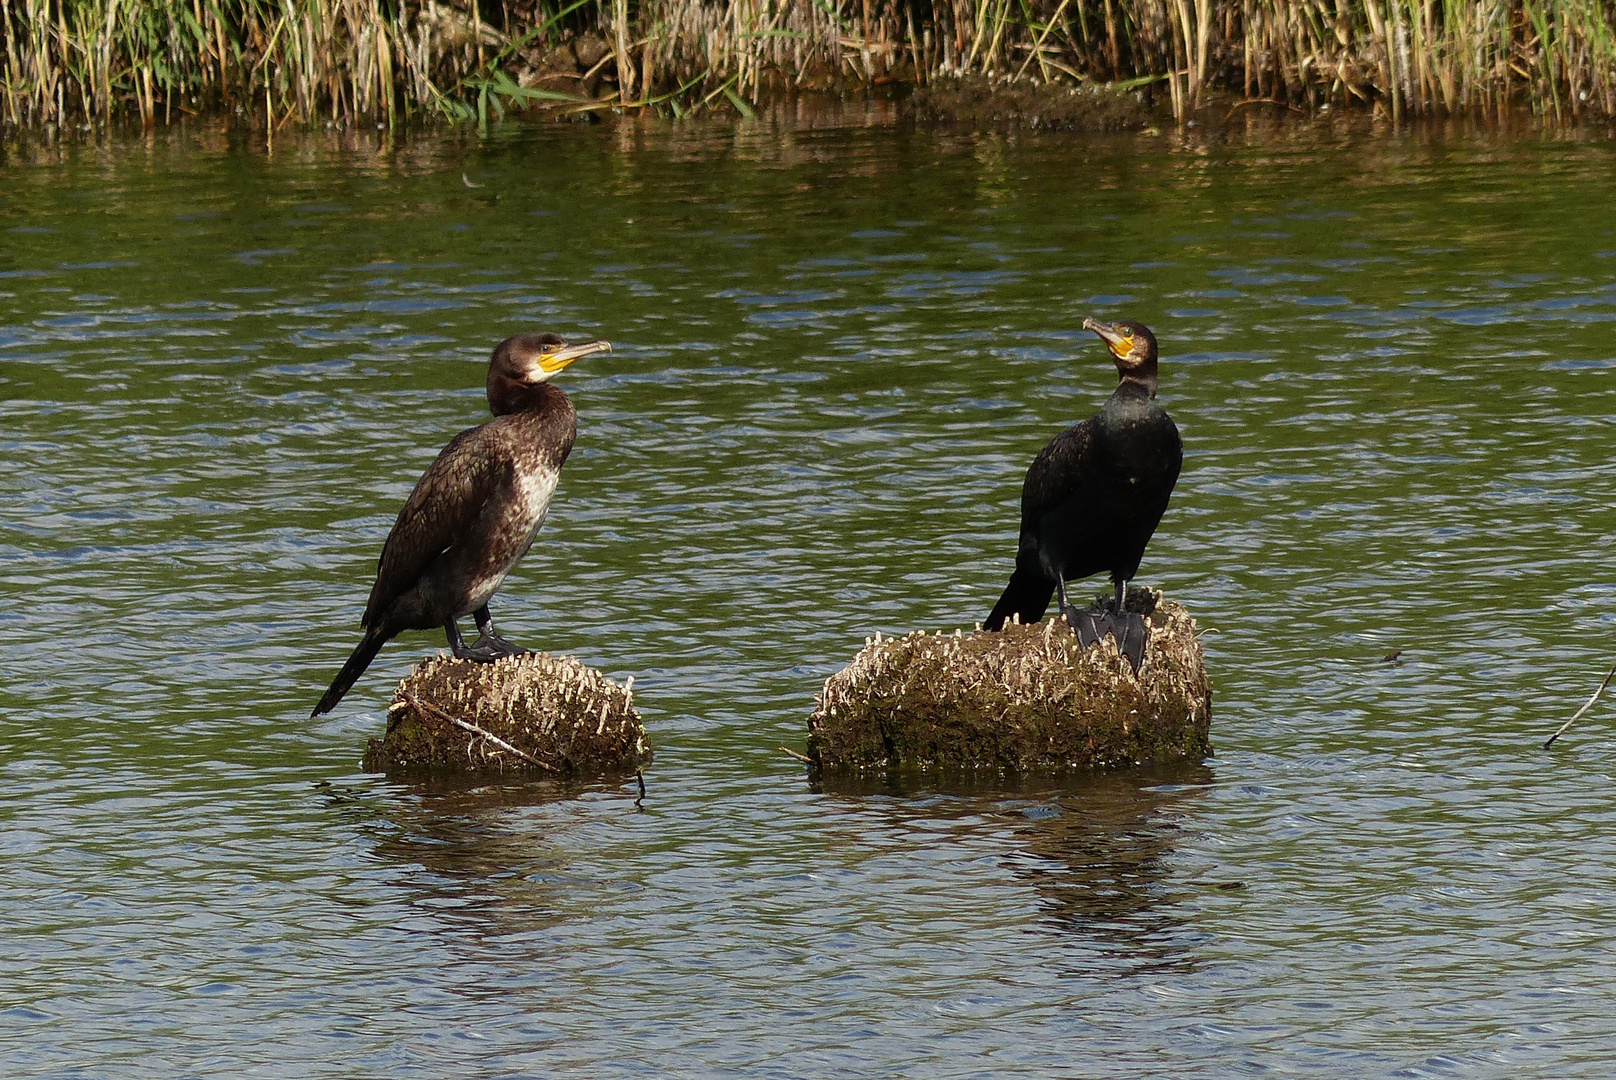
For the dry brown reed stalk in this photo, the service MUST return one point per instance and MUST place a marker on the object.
(308, 61)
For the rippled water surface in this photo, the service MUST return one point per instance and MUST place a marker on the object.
(221, 371)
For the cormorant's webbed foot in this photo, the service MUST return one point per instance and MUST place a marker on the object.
(1108, 617)
(1133, 638)
(488, 648)
(1129, 630)
(488, 645)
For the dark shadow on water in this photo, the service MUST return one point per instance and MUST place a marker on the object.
(1096, 847)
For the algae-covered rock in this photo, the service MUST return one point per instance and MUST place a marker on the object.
(536, 713)
(1027, 698)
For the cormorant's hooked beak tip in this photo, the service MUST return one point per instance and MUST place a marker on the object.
(1107, 331)
(552, 362)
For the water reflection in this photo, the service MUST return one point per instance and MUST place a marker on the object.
(1097, 847)
(482, 856)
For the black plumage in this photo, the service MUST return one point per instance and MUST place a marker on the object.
(1096, 492)
(475, 511)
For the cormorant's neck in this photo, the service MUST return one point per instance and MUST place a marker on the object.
(507, 396)
(1141, 379)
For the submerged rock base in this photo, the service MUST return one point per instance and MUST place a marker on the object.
(1025, 699)
(538, 714)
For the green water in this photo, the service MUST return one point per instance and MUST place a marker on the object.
(837, 348)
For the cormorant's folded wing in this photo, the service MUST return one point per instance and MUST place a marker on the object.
(439, 513)
(1058, 470)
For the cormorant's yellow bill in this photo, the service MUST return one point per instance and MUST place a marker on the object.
(551, 362)
(1117, 337)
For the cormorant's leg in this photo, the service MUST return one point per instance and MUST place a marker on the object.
(1084, 624)
(485, 627)
(480, 652)
(489, 646)
(1129, 629)
(1079, 621)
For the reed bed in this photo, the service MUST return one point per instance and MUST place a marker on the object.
(276, 62)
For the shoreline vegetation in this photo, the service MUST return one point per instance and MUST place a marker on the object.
(1078, 64)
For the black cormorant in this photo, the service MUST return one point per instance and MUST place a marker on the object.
(475, 511)
(1093, 496)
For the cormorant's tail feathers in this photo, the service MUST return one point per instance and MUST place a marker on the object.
(1027, 597)
(355, 667)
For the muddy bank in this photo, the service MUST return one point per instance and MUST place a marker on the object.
(981, 101)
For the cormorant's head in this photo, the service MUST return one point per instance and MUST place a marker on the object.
(531, 359)
(526, 361)
(1132, 345)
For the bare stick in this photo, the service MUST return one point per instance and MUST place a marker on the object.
(466, 725)
(800, 757)
(1611, 674)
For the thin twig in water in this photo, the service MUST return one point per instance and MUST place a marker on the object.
(804, 758)
(465, 725)
(1611, 674)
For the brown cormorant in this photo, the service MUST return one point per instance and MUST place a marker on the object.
(1093, 496)
(475, 511)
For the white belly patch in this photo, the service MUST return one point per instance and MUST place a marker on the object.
(523, 517)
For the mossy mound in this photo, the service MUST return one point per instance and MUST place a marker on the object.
(1025, 699)
(540, 714)
(987, 102)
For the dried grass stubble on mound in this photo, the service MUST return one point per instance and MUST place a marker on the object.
(536, 714)
(1025, 699)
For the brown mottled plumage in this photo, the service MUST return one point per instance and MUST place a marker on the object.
(472, 515)
(475, 512)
